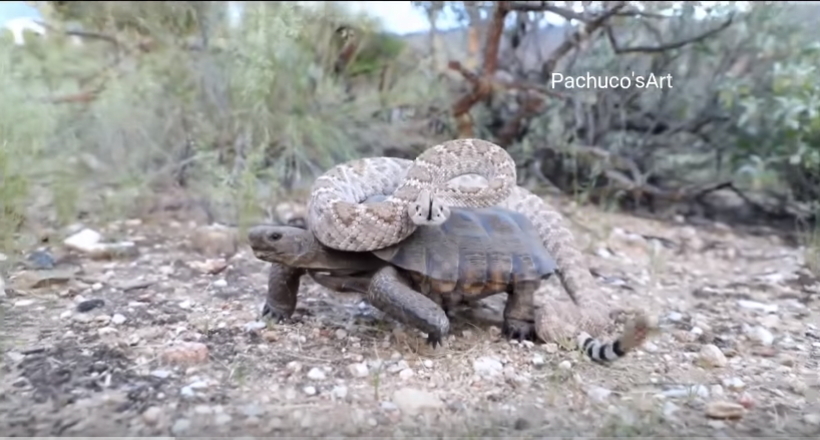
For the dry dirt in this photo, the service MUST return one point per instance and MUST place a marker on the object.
(175, 350)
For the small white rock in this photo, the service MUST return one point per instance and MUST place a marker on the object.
(755, 305)
(358, 369)
(316, 374)
(711, 356)
(85, 241)
(255, 325)
(812, 419)
(598, 394)
(405, 374)
(152, 415)
(294, 366)
(180, 426)
(222, 419)
(565, 365)
(733, 383)
(538, 360)
(339, 392)
(761, 336)
(487, 366)
(411, 400)
(674, 317)
(118, 319)
(309, 390)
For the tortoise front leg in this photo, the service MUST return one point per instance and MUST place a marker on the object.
(519, 313)
(390, 292)
(283, 286)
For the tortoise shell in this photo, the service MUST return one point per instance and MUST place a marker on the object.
(478, 249)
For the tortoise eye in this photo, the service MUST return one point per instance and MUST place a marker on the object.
(275, 236)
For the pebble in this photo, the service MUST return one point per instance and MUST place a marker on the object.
(427, 363)
(406, 374)
(358, 370)
(89, 305)
(696, 390)
(251, 410)
(316, 374)
(487, 366)
(669, 408)
(565, 365)
(812, 419)
(222, 419)
(118, 319)
(770, 321)
(255, 325)
(309, 390)
(724, 410)
(180, 426)
(151, 415)
(598, 394)
(711, 356)
(186, 353)
(733, 383)
(294, 366)
(755, 305)
(398, 366)
(162, 374)
(761, 336)
(411, 400)
(339, 392)
(538, 360)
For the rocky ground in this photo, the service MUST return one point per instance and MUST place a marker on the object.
(158, 335)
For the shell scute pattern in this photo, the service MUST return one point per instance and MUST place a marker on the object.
(479, 250)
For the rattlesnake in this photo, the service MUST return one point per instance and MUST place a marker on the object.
(339, 221)
(417, 193)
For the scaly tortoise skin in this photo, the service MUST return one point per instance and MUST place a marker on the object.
(474, 254)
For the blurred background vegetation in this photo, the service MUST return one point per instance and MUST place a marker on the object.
(126, 108)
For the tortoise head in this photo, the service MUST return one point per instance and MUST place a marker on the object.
(283, 244)
(428, 210)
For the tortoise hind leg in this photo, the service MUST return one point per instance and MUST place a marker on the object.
(283, 287)
(519, 312)
(390, 292)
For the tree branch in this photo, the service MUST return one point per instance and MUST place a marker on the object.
(576, 38)
(664, 47)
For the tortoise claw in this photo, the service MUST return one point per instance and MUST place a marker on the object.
(434, 340)
(270, 312)
(518, 330)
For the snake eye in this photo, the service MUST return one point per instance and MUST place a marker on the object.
(274, 236)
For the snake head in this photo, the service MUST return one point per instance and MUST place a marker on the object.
(428, 210)
(281, 244)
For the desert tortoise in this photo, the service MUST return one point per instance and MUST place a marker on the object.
(474, 254)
